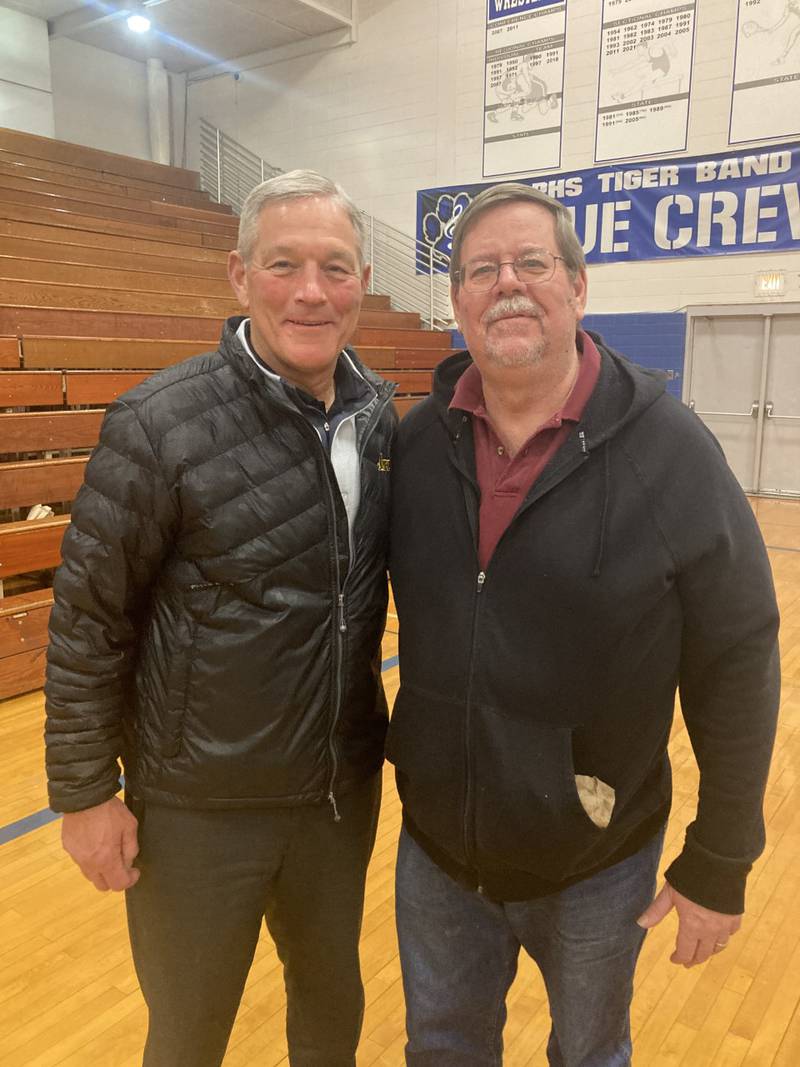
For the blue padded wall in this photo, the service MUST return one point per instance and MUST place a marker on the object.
(652, 340)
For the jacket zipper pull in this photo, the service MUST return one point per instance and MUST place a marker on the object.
(481, 580)
(342, 623)
(332, 801)
(582, 437)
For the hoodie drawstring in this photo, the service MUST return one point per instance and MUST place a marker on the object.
(604, 513)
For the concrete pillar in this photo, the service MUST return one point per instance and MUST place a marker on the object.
(177, 102)
(158, 111)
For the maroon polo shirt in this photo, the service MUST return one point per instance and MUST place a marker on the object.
(505, 480)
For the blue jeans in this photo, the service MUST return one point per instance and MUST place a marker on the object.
(459, 953)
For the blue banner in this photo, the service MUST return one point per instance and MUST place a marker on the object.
(703, 206)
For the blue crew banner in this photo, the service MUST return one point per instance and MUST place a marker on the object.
(703, 206)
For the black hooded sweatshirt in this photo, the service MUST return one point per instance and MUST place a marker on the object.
(633, 567)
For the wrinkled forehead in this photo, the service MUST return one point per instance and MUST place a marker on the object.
(305, 222)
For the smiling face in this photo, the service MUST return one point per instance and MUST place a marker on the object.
(515, 324)
(302, 288)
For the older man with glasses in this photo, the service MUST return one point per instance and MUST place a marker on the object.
(568, 546)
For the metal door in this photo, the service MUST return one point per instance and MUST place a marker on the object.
(743, 380)
(780, 455)
(725, 384)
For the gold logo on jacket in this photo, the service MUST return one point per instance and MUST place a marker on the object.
(384, 464)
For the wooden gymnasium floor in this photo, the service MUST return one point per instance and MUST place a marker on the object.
(68, 995)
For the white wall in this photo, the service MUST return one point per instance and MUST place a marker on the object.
(26, 99)
(100, 99)
(401, 110)
(377, 116)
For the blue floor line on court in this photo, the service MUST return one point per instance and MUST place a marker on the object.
(41, 818)
(24, 826)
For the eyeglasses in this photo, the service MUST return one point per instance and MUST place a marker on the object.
(532, 268)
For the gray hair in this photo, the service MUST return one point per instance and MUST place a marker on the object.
(509, 192)
(296, 185)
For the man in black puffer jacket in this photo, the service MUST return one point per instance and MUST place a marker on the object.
(217, 625)
(568, 546)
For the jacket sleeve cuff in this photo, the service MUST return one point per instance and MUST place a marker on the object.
(710, 880)
(64, 800)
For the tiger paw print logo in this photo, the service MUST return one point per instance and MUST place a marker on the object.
(439, 222)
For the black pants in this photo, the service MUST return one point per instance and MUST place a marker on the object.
(208, 878)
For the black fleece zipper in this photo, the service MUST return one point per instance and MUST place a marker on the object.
(541, 487)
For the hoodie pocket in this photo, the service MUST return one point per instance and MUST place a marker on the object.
(528, 814)
(425, 742)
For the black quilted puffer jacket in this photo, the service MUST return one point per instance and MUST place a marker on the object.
(210, 627)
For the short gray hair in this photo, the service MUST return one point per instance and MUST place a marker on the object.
(296, 185)
(509, 192)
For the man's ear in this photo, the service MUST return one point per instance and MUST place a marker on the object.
(366, 274)
(580, 287)
(455, 293)
(237, 275)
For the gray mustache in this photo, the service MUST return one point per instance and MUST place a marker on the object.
(512, 305)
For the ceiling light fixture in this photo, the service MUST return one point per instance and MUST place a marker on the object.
(138, 23)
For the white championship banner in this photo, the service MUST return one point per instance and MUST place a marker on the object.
(524, 81)
(765, 101)
(646, 53)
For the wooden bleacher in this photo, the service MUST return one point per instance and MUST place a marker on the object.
(110, 268)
